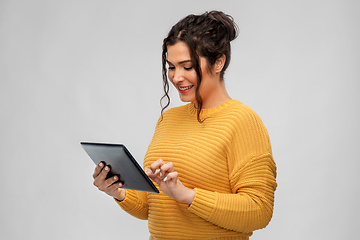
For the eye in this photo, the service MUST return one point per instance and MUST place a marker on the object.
(188, 68)
(171, 67)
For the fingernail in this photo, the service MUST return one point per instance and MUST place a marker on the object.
(165, 179)
(100, 164)
(106, 168)
(120, 184)
(115, 178)
(160, 174)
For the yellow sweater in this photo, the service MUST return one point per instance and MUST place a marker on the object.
(227, 159)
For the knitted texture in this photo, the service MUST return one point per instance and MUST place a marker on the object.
(227, 159)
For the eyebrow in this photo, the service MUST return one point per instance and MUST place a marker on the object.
(182, 62)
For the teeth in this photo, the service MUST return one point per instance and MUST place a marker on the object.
(184, 88)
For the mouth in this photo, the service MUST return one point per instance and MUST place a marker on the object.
(182, 89)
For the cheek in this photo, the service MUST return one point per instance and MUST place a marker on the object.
(170, 75)
(192, 76)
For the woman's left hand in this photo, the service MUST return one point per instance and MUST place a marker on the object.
(163, 174)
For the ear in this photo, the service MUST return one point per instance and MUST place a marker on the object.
(219, 64)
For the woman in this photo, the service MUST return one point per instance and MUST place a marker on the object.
(211, 158)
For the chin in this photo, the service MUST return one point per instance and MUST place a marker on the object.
(186, 99)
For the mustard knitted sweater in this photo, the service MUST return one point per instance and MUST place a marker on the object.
(227, 159)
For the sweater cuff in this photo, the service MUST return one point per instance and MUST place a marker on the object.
(203, 203)
(129, 202)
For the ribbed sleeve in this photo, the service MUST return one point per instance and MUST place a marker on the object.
(135, 203)
(203, 203)
(250, 208)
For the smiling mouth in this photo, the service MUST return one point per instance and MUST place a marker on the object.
(185, 88)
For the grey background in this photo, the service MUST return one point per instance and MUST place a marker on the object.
(74, 71)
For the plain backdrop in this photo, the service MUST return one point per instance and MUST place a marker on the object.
(88, 70)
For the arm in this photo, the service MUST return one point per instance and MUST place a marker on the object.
(252, 173)
(250, 207)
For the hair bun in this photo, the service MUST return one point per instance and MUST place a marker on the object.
(227, 21)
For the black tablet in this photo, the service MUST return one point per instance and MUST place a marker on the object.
(122, 164)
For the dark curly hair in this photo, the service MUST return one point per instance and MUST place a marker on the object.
(207, 35)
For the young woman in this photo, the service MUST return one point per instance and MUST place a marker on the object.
(211, 158)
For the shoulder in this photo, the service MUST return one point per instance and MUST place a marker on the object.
(245, 124)
(242, 114)
(248, 132)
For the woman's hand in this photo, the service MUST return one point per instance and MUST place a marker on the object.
(109, 186)
(163, 174)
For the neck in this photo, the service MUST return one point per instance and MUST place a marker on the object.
(217, 97)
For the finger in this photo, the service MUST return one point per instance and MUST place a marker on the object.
(166, 169)
(108, 184)
(171, 178)
(157, 173)
(104, 172)
(157, 164)
(112, 180)
(101, 177)
(148, 172)
(153, 176)
(98, 169)
(115, 186)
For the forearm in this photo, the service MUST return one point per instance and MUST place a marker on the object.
(236, 212)
(248, 207)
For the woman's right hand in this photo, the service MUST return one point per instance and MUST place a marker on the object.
(109, 186)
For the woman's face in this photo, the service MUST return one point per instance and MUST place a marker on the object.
(183, 76)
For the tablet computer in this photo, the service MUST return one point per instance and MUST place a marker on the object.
(121, 163)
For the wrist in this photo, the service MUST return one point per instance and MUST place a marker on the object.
(189, 196)
(121, 196)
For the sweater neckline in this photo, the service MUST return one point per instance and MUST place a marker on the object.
(209, 111)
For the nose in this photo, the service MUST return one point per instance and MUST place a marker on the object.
(178, 76)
